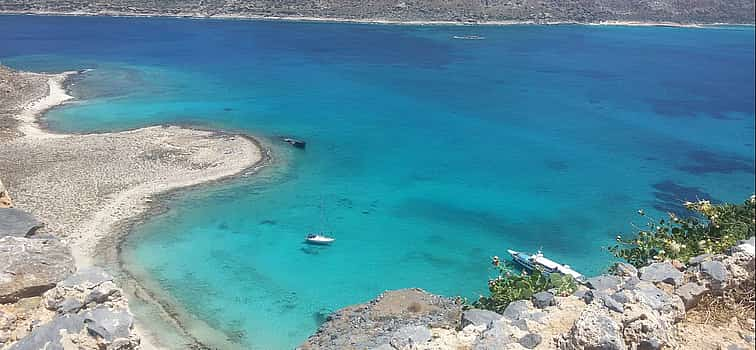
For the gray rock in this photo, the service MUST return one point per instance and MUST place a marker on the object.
(699, 259)
(691, 293)
(530, 341)
(384, 347)
(622, 297)
(735, 347)
(108, 324)
(409, 336)
(89, 278)
(604, 283)
(516, 309)
(661, 272)
(670, 306)
(630, 283)
(69, 306)
(612, 304)
(542, 300)
(29, 267)
(749, 338)
(478, 317)
(48, 335)
(714, 271)
(587, 296)
(650, 344)
(625, 270)
(18, 223)
(751, 241)
(593, 330)
(495, 337)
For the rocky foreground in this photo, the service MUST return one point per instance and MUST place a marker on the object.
(538, 11)
(650, 308)
(45, 304)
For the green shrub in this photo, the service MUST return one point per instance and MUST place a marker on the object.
(712, 228)
(510, 286)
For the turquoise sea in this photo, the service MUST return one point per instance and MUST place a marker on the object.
(428, 154)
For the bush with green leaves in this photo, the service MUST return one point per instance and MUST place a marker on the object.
(510, 286)
(711, 228)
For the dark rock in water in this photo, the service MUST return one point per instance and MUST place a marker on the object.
(530, 341)
(542, 300)
(321, 316)
(223, 226)
(227, 109)
(478, 317)
(268, 222)
(604, 283)
(661, 272)
(108, 324)
(35, 265)
(48, 335)
(18, 223)
(294, 142)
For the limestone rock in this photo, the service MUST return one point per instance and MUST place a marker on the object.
(28, 267)
(661, 272)
(604, 283)
(109, 324)
(543, 300)
(593, 330)
(625, 270)
(49, 335)
(5, 199)
(715, 272)
(478, 317)
(408, 337)
(372, 324)
(16, 222)
(691, 293)
(530, 341)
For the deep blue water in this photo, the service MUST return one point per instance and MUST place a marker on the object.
(428, 154)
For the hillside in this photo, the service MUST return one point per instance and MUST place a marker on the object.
(540, 11)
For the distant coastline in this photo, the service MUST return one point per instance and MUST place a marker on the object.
(379, 21)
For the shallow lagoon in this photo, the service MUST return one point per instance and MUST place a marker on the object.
(429, 154)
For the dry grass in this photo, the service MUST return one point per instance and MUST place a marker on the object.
(738, 303)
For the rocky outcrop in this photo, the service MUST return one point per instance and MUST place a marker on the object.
(395, 319)
(5, 199)
(30, 266)
(631, 309)
(45, 305)
(16, 222)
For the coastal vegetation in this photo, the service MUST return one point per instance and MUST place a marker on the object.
(510, 286)
(710, 229)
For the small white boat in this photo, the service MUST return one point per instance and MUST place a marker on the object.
(318, 239)
(531, 262)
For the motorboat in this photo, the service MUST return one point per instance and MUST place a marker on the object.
(539, 261)
(294, 142)
(319, 239)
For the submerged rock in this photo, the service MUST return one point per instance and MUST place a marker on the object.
(16, 222)
(29, 267)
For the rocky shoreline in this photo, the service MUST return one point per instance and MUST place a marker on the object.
(649, 308)
(73, 196)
